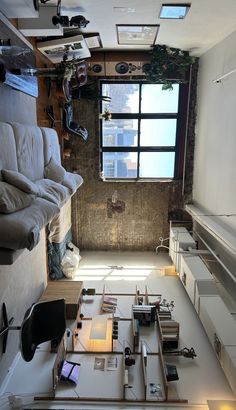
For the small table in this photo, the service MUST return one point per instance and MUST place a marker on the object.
(69, 290)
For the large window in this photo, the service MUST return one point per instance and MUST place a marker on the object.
(142, 139)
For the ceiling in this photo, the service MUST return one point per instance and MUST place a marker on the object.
(207, 22)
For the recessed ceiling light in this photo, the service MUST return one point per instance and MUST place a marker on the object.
(174, 11)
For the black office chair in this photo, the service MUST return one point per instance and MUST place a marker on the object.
(44, 321)
(71, 126)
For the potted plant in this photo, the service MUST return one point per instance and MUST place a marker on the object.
(107, 116)
(168, 65)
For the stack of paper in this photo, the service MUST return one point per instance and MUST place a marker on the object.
(109, 304)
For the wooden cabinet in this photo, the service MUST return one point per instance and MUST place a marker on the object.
(70, 291)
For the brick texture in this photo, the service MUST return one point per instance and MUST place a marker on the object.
(147, 206)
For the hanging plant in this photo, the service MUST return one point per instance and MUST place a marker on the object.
(168, 66)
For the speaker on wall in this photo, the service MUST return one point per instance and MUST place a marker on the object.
(97, 69)
(117, 68)
(125, 67)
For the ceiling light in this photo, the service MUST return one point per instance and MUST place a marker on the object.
(174, 11)
(221, 404)
(124, 10)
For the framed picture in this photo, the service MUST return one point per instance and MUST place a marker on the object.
(174, 11)
(74, 47)
(133, 34)
(93, 40)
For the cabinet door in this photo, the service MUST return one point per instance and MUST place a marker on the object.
(228, 362)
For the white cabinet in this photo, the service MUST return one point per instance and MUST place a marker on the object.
(180, 239)
(193, 274)
(42, 26)
(218, 323)
(204, 288)
(19, 8)
(228, 362)
(221, 331)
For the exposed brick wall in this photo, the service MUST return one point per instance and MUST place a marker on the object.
(146, 205)
(188, 181)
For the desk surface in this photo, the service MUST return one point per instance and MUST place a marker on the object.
(69, 290)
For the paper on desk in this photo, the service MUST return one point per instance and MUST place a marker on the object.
(112, 363)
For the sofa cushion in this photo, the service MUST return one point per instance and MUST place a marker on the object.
(21, 229)
(8, 147)
(53, 170)
(72, 181)
(53, 192)
(50, 145)
(29, 150)
(20, 181)
(13, 199)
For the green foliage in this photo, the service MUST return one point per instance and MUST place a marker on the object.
(168, 66)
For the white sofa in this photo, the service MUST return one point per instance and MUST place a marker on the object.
(33, 186)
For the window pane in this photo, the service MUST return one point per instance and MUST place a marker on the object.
(120, 133)
(157, 164)
(124, 97)
(156, 100)
(154, 133)
(120, 164)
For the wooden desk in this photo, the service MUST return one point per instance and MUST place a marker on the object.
(69, 290)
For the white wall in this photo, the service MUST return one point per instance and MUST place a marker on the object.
(215, 150)
(214, 166)
(207, 22)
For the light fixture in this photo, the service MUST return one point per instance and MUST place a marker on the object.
(221, 404)
(174, 11)
(98, 328)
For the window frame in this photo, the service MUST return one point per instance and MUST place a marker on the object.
(181, 125)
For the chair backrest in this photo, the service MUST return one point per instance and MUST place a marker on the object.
(43, 322)
(72, 127)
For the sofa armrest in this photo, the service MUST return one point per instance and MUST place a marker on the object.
(72, 182)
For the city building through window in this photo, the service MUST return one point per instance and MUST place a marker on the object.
(142, 137)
